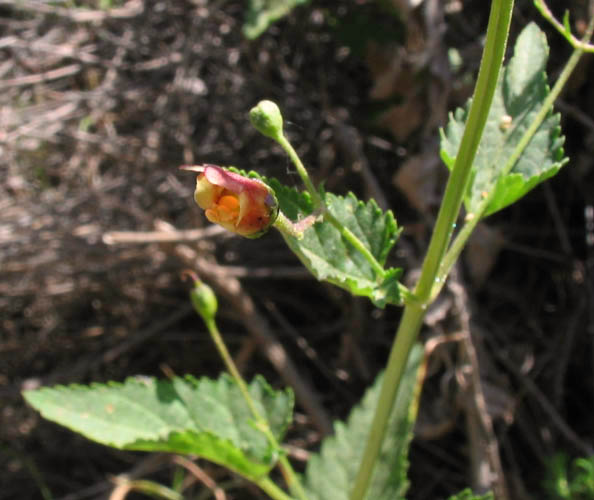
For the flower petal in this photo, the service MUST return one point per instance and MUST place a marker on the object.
(240, 204)
(206, 193)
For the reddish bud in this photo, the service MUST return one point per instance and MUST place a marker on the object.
(244, 206)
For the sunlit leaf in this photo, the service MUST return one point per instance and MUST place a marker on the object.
(520, 93)
(207, 418)
(329, 257)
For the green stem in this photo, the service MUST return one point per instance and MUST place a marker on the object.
(497, 31)
(294, 229)
(301, 170)
(261, 423)
(319, 204)
(414, 313)
(407, 297)
(271, 489)
(411, 321)
(462, 237)
(453, 252)
(230, 364)
(563, 29)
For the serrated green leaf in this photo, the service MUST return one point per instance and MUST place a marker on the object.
(331, 473)
(204, 417)
(262, 13)
(388, 290)
(520, 93)
(467, 494)
(330, 257)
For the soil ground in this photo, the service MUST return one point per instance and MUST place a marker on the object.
(99, 107)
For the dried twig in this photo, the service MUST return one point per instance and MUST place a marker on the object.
(46, 76)
(122, 237)
(201, 475)
(131, 9)
(486, 475)
(553, 415)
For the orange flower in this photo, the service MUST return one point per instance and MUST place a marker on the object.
(244, 206)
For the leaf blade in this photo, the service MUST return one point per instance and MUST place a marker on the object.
(519, 96)
(330, 257)
(205, 417)
(331, 472)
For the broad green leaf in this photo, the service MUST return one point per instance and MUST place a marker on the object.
(331, 473)
(467, 494)
(262, 13)
(520, 93)
(330, 257)
(204, 417)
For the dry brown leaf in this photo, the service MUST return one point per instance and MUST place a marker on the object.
(417, 178)
(404, 119)
(482, 251)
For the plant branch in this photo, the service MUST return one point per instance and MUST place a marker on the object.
(457, 183)
(564, 28)
(472, 220)
(150, 488)
(411, 321)
(271, 489)
(414, 313)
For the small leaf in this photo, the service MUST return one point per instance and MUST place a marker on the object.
(262, 13)
(331, 473)
(330, 257)
(467, 494)
(208, 418)
(520, 93)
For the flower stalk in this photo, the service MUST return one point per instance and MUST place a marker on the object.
(267, 119)
(205, 304)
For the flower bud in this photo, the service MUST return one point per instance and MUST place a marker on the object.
(204, 300)
(267, 119)
(241, 205)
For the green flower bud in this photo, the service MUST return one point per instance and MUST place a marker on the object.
(204, 301)
(267, 119)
